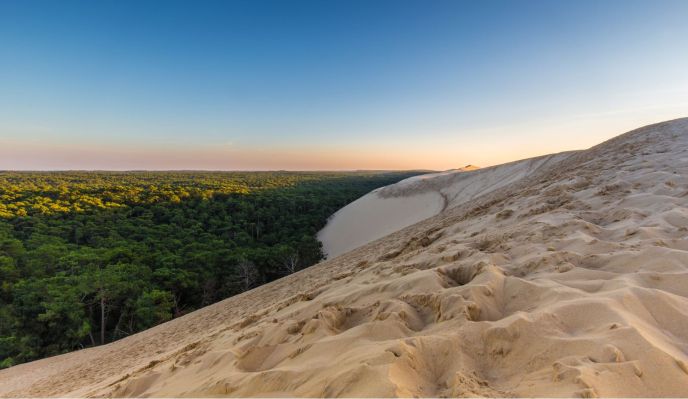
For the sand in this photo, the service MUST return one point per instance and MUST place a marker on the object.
(391, 208)
(570, 281)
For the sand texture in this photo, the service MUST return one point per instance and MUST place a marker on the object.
(568, 280)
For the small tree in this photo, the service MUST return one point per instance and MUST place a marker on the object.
(110, 286)
(247, 274)
(153, 307)
(290, 262)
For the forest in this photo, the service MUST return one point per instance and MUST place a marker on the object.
(90, 257)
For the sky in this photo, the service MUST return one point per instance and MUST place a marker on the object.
(330, 85)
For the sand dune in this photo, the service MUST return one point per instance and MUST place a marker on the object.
(570, 280)
(391, 208)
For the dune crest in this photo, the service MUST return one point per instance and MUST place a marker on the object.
(568, 280)
(391, 208)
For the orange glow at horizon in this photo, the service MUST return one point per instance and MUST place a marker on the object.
(484, 148)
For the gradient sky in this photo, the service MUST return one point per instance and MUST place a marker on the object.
(324, 84)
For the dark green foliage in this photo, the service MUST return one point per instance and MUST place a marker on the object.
(89, 257)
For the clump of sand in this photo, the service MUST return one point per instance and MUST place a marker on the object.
(570, 281)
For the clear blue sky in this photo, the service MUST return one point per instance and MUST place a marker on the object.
(329, 84)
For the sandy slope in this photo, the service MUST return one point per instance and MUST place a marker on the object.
(391, 208)
(572, 281)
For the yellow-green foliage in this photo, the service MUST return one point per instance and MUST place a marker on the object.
(49, 193)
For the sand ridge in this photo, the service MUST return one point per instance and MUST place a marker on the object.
(391, 208)
(570, 281)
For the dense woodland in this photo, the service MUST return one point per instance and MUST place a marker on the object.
(90, 257)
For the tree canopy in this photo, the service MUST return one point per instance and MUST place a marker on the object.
(90, 257)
